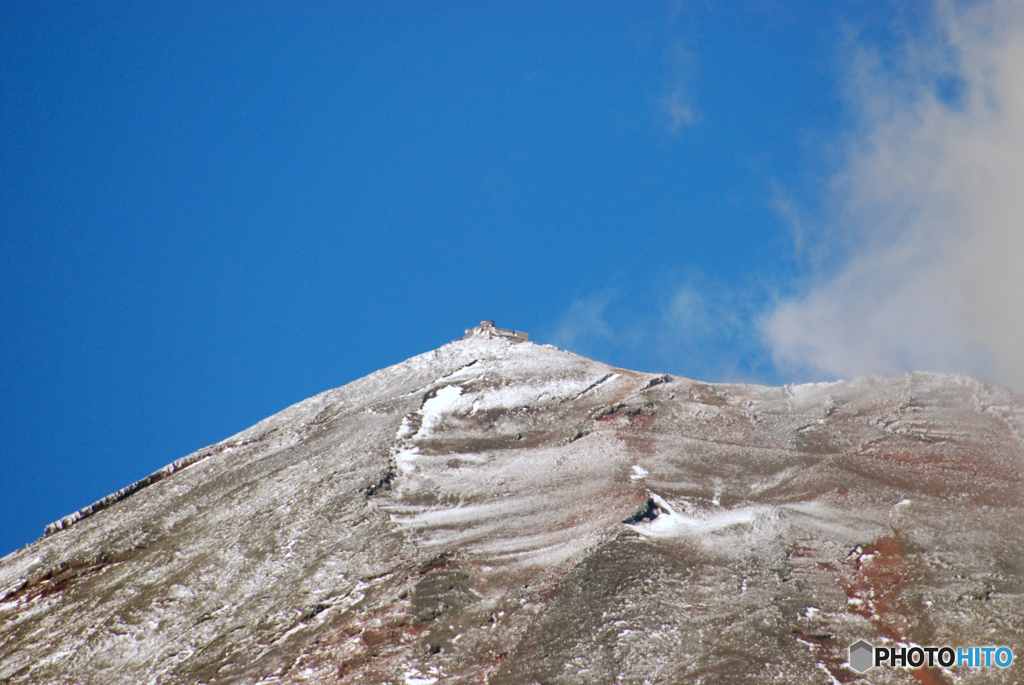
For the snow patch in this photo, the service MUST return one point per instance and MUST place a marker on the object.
(671, 523)
(406, 429)
(447, 400)
(404, 459)
(829, 673)
(638, 472)
(414, 676)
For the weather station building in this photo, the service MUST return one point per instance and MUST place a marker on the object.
(487, 329)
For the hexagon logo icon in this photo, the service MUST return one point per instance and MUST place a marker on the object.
(861, 654)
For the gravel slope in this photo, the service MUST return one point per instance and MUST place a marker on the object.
(498, 511)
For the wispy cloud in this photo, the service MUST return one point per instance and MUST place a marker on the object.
(680, 112)
(929, 208)
(677, 102)
(585, 325)
(683, 328)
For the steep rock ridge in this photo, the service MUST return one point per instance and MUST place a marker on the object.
(498, 511)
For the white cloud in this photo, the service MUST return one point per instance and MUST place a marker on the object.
(930, 207)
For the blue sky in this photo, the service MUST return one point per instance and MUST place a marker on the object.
(211, 211)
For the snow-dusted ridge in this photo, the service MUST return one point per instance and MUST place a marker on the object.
(503, 512)
(127, 491)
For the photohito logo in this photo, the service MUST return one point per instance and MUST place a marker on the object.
(863, 655)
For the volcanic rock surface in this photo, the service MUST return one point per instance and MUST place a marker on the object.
(501, 512)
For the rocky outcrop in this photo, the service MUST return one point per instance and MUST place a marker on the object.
(498, 511)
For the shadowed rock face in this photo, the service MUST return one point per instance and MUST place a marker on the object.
(501, 512)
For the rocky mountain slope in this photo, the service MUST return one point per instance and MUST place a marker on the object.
(499, 512)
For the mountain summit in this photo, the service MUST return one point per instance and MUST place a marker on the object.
(497, 511)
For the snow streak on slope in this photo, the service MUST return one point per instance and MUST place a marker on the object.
(481, 460)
